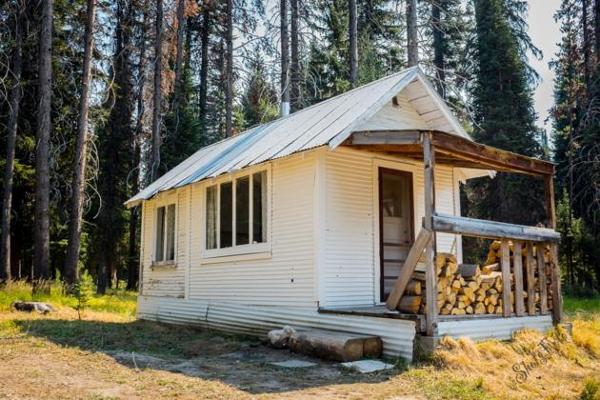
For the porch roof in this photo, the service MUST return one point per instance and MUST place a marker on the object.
(450, 150)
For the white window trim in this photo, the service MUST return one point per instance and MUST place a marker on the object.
(262, 249)
(164, 201)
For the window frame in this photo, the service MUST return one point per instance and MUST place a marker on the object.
(243, 249)
(165, 202)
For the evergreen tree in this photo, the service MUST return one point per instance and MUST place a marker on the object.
(504, 118)
(259, 101)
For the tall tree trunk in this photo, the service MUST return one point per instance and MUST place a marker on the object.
(353, 36)
(11, 138)
(78, 183)
(203, 91)
(411, 33)
(229, 71)
(177, 98)
(133, 257)
(438, 48)
(115, 153)
(157, 98)
(285, 60)
(597, 30)
(586, 42)
(42, 172)
(295, 66)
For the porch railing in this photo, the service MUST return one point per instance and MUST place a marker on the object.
(525, 254)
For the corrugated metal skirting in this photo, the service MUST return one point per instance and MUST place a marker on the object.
(397, 335)
(493, 328)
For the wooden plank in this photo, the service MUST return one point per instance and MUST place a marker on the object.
(457, 148)
(557, 305)
(430, 271)
(550, 204)
(518, 273)
(542, 278)
(399, 137)
(505, 264)
(491, 229)
(490, 156)
(423, 238)
(530, 279)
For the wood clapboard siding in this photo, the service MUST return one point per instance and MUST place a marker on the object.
(350, 268)
(165, 281)
(444, 203)
(425, 106)
(349, 275)
(390, 117)
(287, 276)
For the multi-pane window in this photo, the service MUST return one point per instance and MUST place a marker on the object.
(165, 234)
(236, 212)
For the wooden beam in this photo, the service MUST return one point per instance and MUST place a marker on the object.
(530, 267)
(489, 155)
(430, 271)
(550, 203)
(457, 148)
(557, 306)
(423, 238)
(505, 264)
(542, 278)
(518, 273)
(386, 137)
(491, 229)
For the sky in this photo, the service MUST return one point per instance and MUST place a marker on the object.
(545, 33)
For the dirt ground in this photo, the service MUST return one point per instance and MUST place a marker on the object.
(110, 356)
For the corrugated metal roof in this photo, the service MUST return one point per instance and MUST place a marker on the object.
(327, 123)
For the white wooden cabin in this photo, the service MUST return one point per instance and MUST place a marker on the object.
(307, 220)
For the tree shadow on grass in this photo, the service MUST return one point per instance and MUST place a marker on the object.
(240, 361)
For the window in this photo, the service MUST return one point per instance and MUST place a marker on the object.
(236, 212)
(165, 234)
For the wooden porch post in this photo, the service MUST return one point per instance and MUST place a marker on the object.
(555, 272)
(430, 273)
(550, 206)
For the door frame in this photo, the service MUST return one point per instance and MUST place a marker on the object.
(392, 171)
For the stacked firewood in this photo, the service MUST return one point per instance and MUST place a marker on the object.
(493, 261)
(468, 288)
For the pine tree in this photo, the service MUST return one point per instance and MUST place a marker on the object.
(114, 153)
(43, 130)
(504, 118)
(75, 224)
(259, 102)
(14, 100)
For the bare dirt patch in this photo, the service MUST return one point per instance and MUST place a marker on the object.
(111, 356)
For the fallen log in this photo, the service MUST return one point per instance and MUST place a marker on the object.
(336, 346)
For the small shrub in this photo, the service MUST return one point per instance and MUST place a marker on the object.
(83, 292)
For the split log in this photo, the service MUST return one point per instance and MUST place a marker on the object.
(469, 270)
(410, 304)
(490, 268)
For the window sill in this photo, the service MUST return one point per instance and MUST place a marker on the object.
(163, 265)
(231, 258)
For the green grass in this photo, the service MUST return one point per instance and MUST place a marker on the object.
(574, 305)
(118, 301)
(446, 389)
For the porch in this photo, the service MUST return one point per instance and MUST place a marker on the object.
(527, 274)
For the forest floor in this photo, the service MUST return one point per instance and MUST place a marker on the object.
(109, 355)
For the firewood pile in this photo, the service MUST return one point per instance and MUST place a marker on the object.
(470, 289)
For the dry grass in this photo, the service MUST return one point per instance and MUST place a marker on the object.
(533, 365)
(58, 357)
